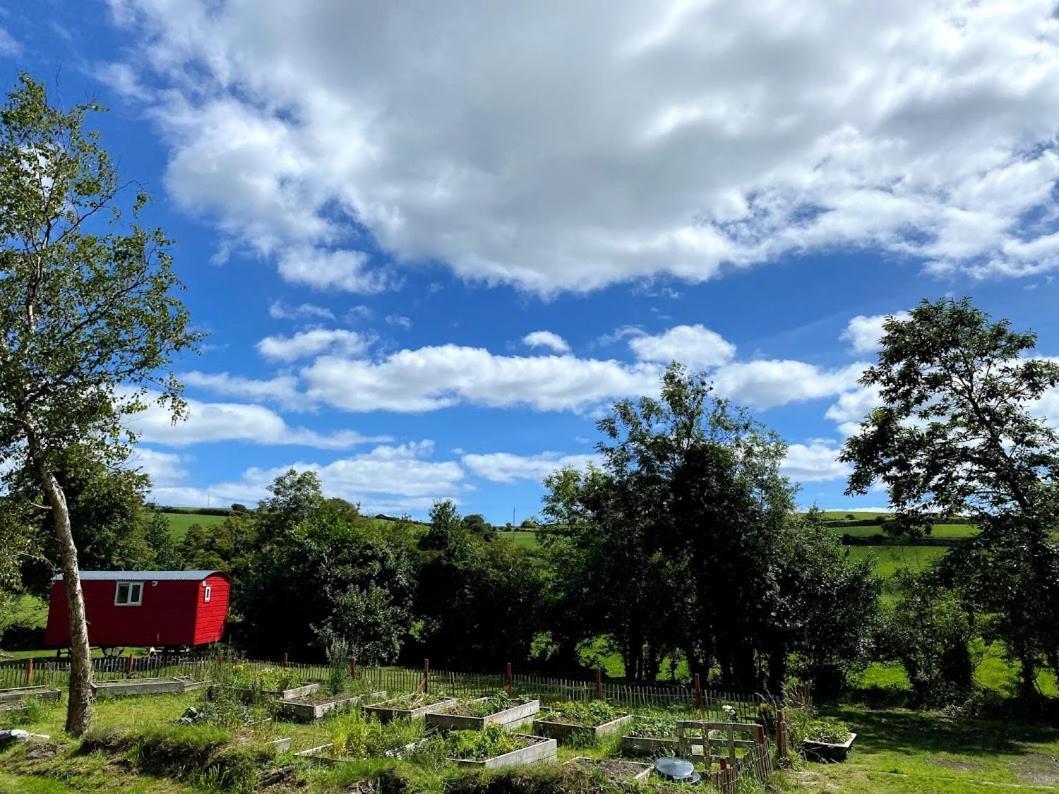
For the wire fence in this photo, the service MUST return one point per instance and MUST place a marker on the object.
(55, 673)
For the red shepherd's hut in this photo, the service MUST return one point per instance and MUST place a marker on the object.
(144, 608)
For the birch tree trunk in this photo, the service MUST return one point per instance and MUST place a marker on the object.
(79, 708)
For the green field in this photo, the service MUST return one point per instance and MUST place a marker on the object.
(525, 540)
(179, 523)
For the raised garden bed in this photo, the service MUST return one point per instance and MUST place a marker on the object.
(535, 749)
(408, 707)
(254, 695)
(651, 735)
(19, 694)
(145, 686)
(594, 719)
(827, 752)
(616, 769)
(476, 714)
(314, 706)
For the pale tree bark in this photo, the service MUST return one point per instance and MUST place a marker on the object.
(79, 708)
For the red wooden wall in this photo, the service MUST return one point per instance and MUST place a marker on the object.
(172, 613)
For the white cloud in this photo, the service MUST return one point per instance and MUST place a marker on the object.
(813, 462)
(309, 343)
(399, 319)
(429, 378)
(741, 132)
(692, 345)
(864, 333)
(390, 479)
(767, 383)
(508, 467)
(254, 424)
(9, 46)
(165, 469)
(852, 407)
(344, 270)
(305, 311)
(547, 339)
(123, 80)
(282, 389)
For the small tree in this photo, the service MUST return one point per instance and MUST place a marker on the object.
(88, 317)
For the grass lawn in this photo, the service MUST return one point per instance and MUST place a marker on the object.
(890, 559)
(526, 540)
(179, 523)
(907, 751)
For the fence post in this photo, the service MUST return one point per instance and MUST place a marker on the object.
(29, 672)
(508, 679)
(698, 691)
(599, 683)
(128, 666)
(781, 735)
(286, 661)
(426, 676)
(353, 667)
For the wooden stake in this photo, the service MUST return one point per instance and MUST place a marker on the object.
(29, 672)
(509, 679)
(426, 676)
(599, 683)
(285, 660)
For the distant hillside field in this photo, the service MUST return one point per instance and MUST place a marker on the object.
(179, 523)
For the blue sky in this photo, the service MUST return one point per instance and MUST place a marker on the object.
(431, 245)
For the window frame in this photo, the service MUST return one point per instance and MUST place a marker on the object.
(129, 589)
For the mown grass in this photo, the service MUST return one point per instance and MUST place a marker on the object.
(179, 523)
(906, 751)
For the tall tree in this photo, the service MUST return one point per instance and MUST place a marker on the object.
(88, 317)
(956, 433)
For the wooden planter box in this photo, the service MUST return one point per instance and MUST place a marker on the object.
(145, 686)
(19, 694)
(509, 718)
(386, 713)
(828, 752)
(649, 745)
(536, 750)
(309, 712)
(564, 731)
(641, 773)
(251, 695)
(281, 745)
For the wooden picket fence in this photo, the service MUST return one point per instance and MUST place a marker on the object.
(710, 702)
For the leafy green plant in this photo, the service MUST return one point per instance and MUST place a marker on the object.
(588, 713)
(413, 700)
(493, 704)
(654, 726)
(805, 725)
(479, 745)
(356, 736)
(337, 666)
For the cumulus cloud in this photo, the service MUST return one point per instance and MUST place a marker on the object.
(282, 389)
(771, 382)
(344, 270)
(852, 407)
(740, 133)
(864, 333)
(508, 467)
(547, 339)
(165, 469)
(309, 343)
(429, 378)
(388, 478)
(693, 345)
(813, 462)
(254, 424)
(305, 311)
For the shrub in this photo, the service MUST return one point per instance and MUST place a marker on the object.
(805, 725)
